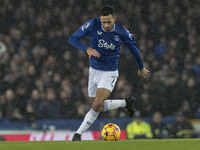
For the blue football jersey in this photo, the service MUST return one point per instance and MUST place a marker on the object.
(107, 43)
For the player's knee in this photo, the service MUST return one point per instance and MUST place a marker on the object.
(97, 106)
(92, 100)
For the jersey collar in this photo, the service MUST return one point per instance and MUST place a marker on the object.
(108, 31)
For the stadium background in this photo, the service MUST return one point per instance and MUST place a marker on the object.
(36, 61)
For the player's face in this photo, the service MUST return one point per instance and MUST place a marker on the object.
(108, 22)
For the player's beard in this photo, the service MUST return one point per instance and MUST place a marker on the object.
(109, 28)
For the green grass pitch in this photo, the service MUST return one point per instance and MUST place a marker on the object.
(163, 144)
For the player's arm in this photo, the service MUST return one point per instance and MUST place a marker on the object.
(130, 42)
(82, 32)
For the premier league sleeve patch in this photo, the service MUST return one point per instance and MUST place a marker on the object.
(130, 36)
(85, 26)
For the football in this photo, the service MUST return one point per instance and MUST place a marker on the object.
(111, 132)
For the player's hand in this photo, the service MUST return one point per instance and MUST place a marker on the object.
(93, 52)
(143, 73)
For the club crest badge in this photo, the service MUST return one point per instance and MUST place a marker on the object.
(116, 38)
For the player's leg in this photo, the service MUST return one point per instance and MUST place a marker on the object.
(97, 98)
(128, 102)
(108, 82)
(91, 116)
(111, 104)
(101, 96)
(105, 81)
(102, 104)
(99, 104)
(92, 99)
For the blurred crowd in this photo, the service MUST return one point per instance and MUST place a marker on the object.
(158, 129)
(43, 77)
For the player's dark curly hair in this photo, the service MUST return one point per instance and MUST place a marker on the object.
(106, 10)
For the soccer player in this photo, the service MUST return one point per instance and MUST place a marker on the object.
(103, 51)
